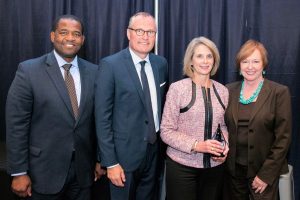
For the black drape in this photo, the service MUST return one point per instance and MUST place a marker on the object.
(181, 21)
(106, 23)
(25, 27)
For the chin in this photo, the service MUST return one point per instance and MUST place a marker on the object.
(68, 55)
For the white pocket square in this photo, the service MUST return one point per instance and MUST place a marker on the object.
(162, 84)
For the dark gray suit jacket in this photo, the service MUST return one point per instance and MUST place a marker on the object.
(121, 119)
(269, 131)
(41, 130)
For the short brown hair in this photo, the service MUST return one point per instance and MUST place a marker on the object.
(190, 50)
(248, 48)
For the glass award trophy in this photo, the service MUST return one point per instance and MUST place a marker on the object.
(218, 135)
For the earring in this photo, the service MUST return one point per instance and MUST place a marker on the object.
(240, 73)
(264, 72)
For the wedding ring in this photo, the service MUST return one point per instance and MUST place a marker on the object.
(212, 149)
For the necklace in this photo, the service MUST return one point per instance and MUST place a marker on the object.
(253, 96)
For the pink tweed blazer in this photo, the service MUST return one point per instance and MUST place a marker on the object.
(180, 130)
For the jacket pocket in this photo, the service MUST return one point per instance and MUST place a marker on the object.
(35, 151)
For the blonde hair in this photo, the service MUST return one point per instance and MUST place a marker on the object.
(248, 48)
(189, 53)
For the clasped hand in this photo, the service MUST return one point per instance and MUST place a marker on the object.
(213, 147)
(21, 185)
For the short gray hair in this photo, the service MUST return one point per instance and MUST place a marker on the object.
(144, 14)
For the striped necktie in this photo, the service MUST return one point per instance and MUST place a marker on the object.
(71, 89)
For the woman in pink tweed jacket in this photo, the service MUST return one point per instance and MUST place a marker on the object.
(193, 111)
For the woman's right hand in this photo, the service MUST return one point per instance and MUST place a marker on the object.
(210, 146)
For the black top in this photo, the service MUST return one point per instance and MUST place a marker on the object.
(244, 114)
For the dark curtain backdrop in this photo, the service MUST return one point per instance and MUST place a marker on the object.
(25, 27)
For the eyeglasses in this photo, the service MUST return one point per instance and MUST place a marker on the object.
(141, 32)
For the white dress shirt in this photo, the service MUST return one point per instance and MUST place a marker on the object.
(151, 81)
(152, 87)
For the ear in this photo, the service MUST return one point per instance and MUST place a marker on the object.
(128, 34)
(52, 36)
(83, 39)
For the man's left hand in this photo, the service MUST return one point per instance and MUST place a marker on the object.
(99, 171)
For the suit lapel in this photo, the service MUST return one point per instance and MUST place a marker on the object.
(155, 70)
(261, 99)
(84, 87)
(235, 99)
(57, 79)
(133, 75)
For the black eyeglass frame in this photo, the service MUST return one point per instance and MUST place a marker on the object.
(141, 32)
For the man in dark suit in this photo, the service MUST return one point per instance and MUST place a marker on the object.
(128, 110)
(51, 148)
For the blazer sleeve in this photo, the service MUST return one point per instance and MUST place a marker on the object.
(169, 125)
(18, 119)
(104, 102)
(282, 133)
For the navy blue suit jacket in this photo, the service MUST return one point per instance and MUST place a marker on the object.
(121, 119)
(41, 129)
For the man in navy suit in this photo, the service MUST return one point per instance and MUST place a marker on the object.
(51, 147)
(128, 103)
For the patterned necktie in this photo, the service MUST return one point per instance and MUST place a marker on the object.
(71, 89)
(151, 136)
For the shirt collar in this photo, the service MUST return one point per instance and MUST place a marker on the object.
(61, 62)
(136, 59)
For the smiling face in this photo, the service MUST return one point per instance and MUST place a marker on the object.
(252, 67)
(143, 44)
(202, 61)
(67, 38)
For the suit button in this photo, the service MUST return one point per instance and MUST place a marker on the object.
(146, 121)
(251, 131)
(251, 146)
